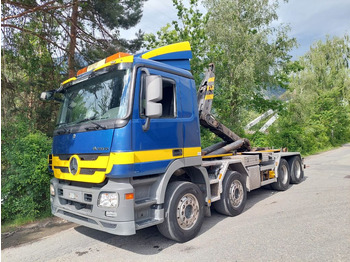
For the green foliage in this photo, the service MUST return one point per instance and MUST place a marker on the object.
(318, 113)
(35, 40)
(190, 26)
(25, 176)
(250, 55)
(28, 69)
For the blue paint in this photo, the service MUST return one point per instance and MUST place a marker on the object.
(181, 131)
(83, 143)
(139, 169)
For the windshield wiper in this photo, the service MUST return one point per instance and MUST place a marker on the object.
(65, 130)
(87, 119)
(95, 127)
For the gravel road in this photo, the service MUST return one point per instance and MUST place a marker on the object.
(308, 222)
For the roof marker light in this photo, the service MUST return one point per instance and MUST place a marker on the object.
(116, 56)
(82, 71)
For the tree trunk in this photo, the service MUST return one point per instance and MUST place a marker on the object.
(73, 39)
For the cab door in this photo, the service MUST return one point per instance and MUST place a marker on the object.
(155, 148)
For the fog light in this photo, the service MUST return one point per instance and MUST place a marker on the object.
(111, 213)
(52, 190)
(108, 200)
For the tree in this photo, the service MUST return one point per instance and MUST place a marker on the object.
(250, 55)
(318, 113)
(41, 40)
(79, 25)
(190, 26)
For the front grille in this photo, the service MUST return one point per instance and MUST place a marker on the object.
(77, 217)
(91, 171)
(88, 197)
(88, 157)
(62, 168)
(75, 205)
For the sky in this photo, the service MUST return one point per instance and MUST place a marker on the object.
(310, 20)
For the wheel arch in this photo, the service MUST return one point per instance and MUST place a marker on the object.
(243, 171)
(178, 171)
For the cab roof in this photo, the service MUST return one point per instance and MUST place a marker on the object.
(176, 55)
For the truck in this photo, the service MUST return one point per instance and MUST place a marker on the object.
(127, 154)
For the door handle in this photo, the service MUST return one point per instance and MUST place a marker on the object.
(177, 152)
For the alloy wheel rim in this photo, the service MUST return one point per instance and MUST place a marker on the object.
(187, 211)
(236, 193)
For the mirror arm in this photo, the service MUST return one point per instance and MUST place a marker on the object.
(145, 127)
(145, 70)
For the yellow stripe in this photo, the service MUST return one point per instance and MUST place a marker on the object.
(116, 158)
(69, 80)
(192, 151)
(98, 177)
(210, 88)
(207, 97)
(269, 150)
(125, 59)
(213, 156)
(178, 47)
(212, 79)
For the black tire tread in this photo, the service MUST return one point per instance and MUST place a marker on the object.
(293, 178)
(169, 227)
(278, 185)
(222, 205)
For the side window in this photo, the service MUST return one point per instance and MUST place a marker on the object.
(169, 98)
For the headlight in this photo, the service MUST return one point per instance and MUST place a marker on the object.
(108, 200)
(52, 190)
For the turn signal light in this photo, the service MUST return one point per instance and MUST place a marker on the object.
(129, 196)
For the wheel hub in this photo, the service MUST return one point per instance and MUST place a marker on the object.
(187, 211)
(236, 193)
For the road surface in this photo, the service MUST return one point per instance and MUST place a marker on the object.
(308, 222)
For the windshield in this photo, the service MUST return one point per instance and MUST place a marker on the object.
(102, 97)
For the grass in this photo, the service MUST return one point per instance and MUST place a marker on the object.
(11, 226)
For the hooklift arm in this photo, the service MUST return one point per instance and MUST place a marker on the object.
(205, 99)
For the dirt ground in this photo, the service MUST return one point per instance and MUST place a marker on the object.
(34, 231)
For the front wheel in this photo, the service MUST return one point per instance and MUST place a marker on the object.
(184, 211)
(233, 196)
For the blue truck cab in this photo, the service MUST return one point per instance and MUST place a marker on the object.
(127, 154)
(101, 144)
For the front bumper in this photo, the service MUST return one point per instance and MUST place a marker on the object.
(78, 204)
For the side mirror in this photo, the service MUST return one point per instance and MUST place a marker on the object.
(154, 94)
(48, 95)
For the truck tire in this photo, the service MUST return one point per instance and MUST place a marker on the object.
(296, 171)
(233, 196)
(283, 176)
(183, 211)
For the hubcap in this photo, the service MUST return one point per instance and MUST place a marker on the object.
(236, 194)
(187, 211)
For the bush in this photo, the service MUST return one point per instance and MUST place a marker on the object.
(25, 176)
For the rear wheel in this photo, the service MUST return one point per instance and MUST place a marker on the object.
(234, 195)
(283, 176)
(296, 171)
(184, 211)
